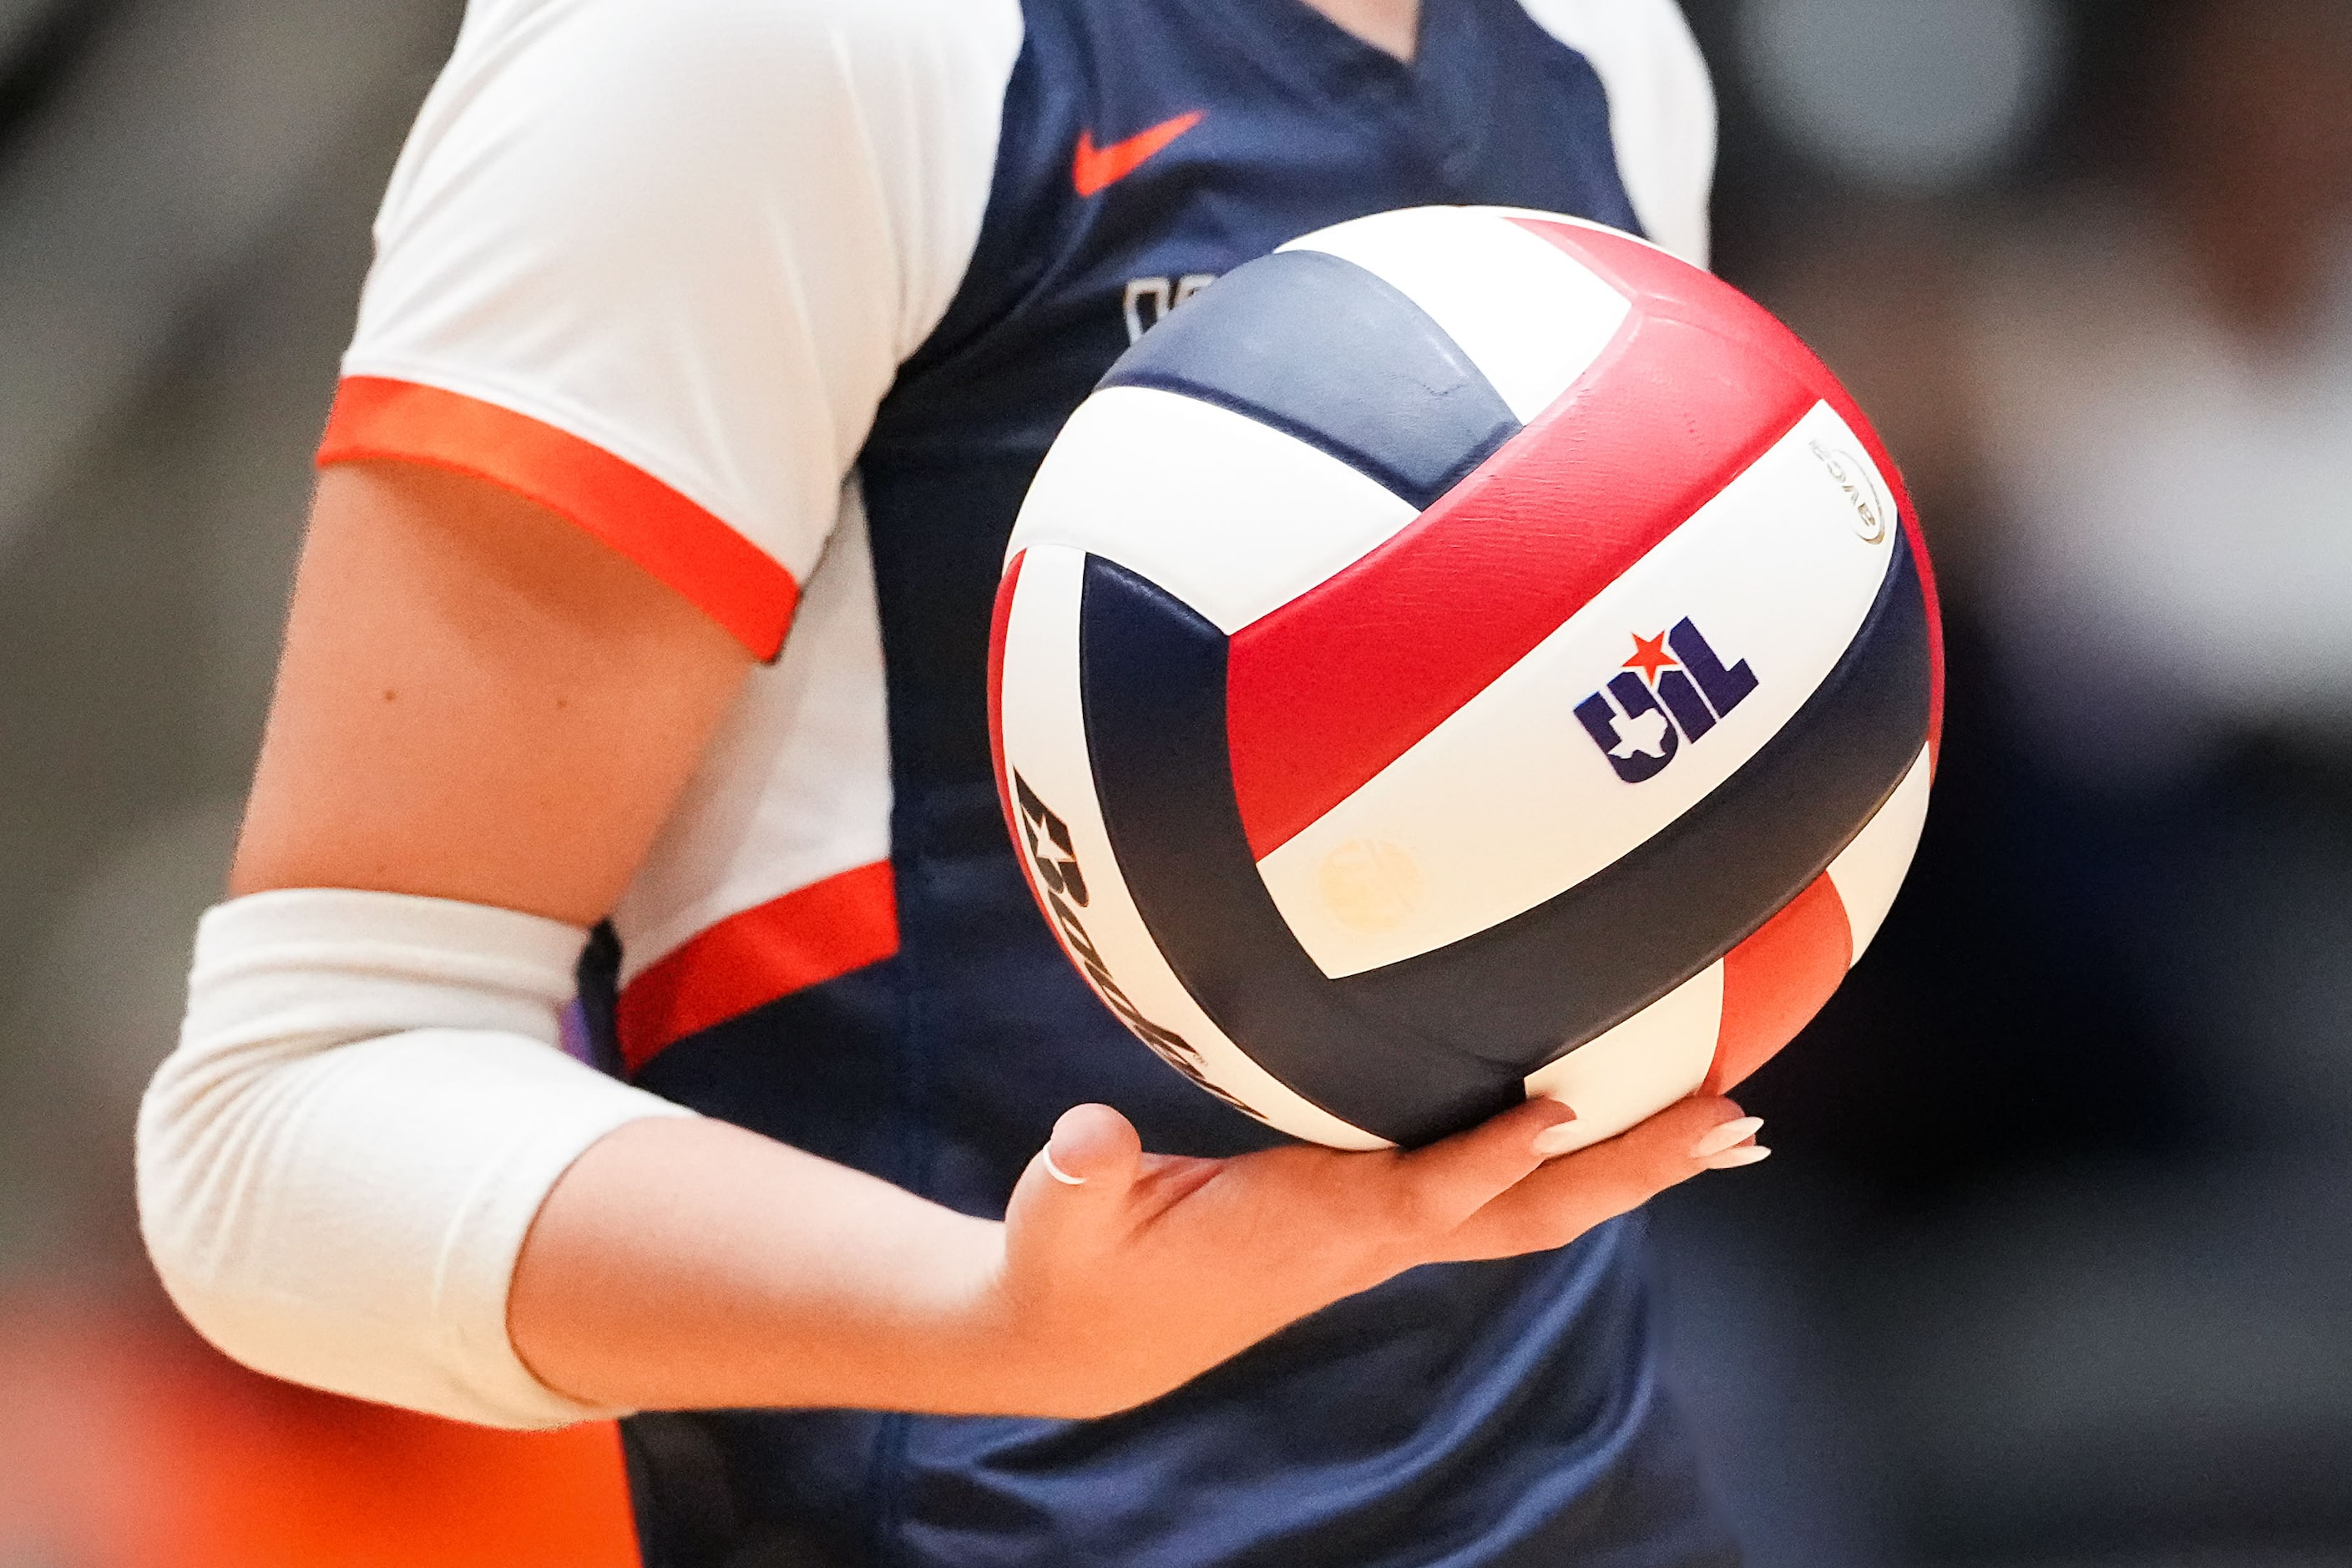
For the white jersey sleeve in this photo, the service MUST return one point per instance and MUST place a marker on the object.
(1662, 115)
(653, 266)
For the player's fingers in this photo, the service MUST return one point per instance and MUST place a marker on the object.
(1634, 1167)
(1076, 1189)
(1573, 1194)
(1092, 1144)
(1444, 1184)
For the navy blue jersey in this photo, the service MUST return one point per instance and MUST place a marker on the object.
(804, 366)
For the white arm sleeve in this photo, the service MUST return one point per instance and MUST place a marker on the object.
(338, 1166)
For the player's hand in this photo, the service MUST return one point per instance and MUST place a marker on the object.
(1126, 1274)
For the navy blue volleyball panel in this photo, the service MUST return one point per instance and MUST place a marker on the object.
(1153, 686)
(1573, 966)
(1338, 356)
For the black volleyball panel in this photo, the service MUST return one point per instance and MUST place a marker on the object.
(1153, 685)
(1338, 357)
(1521, 992)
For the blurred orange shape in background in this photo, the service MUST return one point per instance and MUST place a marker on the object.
(124, 1443)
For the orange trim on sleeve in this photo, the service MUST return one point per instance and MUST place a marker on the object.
(809, 936)
(724, 575)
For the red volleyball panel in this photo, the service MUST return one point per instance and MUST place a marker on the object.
(1777, 980)
(1327, 691)
(999, 618)
(1664, 284)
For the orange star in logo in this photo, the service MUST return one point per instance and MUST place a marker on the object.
(1650, 656)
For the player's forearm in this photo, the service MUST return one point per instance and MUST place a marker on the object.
(692, 1264)
(367, 1125)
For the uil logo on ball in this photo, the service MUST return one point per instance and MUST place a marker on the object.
(1674, 689)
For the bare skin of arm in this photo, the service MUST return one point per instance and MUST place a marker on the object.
(480, 702)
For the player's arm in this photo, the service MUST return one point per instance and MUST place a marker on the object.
(367, 1167)
(481, 705)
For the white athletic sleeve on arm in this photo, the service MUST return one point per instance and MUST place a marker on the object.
(1661, 109)
(652, 267)
(338, 1166)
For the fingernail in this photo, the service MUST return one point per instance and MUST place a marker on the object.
(1724, 1136)
(1732, 1158)
(1557, 1139)
(1058, 1174)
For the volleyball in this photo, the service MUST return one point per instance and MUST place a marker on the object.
(1466, 654)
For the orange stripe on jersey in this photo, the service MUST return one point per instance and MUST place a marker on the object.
(725, 576)
(809, 936)
(1777, 980)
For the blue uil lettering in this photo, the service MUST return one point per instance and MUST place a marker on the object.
(1674, 689)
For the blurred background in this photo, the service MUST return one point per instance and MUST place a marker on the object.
(2054, 1264)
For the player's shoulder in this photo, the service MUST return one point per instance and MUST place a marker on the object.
(741, 21)
(1654, 31)
(621, 115)
(712, 48)
(1662, 112)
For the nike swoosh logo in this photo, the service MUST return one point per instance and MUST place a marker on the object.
(1092, 168)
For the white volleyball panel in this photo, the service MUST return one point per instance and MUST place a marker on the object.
(1044, 735)
(1231, 516)
(1567, 221)
(1509, 802)
(1654, 1058)
(1869, 872)
(1530, 317)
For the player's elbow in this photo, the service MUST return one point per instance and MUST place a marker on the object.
(183, 1216)
(337, 1168)
(310, 1268)
(191, 1206)
(204, 1166)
